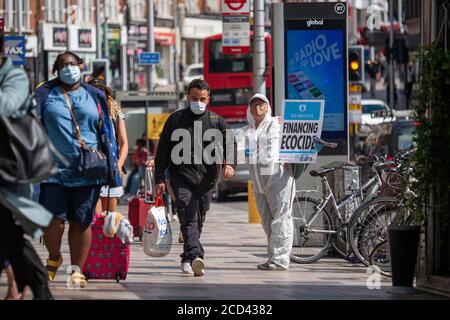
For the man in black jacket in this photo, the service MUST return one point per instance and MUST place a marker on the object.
(192, 175)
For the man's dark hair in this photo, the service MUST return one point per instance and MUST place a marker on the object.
(198, 84)
(58, 57)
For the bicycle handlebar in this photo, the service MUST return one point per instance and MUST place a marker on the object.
(378, 166)
(324, 143)
(406, 153)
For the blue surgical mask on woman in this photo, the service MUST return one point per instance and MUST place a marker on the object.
(70, 74)
(197, 107)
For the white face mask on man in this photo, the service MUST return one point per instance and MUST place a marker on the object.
(197, 107)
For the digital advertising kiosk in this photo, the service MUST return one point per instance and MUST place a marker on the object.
(310, 63)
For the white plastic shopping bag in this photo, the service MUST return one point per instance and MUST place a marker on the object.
(157, 233)
(112, 223)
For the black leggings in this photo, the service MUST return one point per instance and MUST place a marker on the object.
(18, 251)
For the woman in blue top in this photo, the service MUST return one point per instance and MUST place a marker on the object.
(68, 194)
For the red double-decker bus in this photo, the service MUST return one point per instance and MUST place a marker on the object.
(230, 76)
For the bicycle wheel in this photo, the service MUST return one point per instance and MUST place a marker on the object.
(380, 257)
(380, 254)
(340, 244)
(313, 231)
(368, 226)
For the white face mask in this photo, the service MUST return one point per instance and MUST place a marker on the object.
(70, 74)
(197, 107)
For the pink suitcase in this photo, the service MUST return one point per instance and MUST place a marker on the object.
(108, 258)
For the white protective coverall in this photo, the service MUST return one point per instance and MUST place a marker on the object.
(273, 185)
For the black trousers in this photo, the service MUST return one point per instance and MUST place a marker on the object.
(192, 205)
(18, 251)
(408, 92)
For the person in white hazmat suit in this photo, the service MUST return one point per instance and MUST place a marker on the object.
(273, 183)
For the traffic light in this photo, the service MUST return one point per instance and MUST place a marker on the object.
(356, 64)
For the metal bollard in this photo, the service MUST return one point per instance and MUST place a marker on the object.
(253, 214)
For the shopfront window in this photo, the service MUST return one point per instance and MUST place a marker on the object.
(194, 51)
(137, 9)
(163, 8)
(84, 11)
(212, 6)
(192, 7)
(54, 11)
(11, 12)
(112, 10)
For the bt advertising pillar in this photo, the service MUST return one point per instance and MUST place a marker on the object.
(310, 63)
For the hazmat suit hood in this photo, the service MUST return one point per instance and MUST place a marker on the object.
(263, 146)
(268, 115)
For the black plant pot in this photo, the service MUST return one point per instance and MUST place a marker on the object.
(403, 246)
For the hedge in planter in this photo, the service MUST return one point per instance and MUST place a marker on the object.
(432, 159)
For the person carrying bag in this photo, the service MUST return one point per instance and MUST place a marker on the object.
(93, 162)
(76, 117)
(157, 233)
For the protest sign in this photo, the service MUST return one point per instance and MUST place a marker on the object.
(301, 121)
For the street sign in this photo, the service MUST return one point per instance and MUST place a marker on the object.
(355, 108)
(236, 7)
(148, 58)
(15, 49)
(235, 26)
(155, 124)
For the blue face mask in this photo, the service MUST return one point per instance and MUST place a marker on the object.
(197, 107)
(70, 74)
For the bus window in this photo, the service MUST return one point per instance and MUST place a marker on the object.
(232, 97)
(219, 62)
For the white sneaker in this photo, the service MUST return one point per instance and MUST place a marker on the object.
(186, 268)
(198, 266)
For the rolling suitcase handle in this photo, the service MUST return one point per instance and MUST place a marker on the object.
(149, 186)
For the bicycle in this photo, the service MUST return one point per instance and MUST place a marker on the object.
(368, 226)
(315, 229)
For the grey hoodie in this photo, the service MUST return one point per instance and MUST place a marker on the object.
(14, 90)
